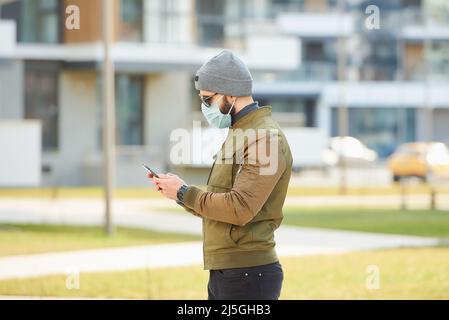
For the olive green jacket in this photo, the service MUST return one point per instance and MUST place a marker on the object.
(242, 206)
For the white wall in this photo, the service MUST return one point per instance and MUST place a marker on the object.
(11, 89)
(307, 145)
(20, 153)
(317, 24)
(168, 106)
(77, 127)
(380, 93)
(167, 101)
(8, 36)
(440, 125)
(440, 120)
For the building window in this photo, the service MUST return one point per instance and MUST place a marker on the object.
(211, 22)
(40, 21)
(131, 29)
(291, 111)
(129, 109)
(439, 60)
(302, 5)
(382, 129)
(41, 99)
(222, 23)
(439, 12)
(381, 61)
(313, 51)
(281, 6)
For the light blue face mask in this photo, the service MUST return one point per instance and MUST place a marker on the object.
(215, 117)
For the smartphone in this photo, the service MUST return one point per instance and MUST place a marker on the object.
(150, 171)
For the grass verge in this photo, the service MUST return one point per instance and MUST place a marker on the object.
(402, 274)
(18, 239)
(427, 223)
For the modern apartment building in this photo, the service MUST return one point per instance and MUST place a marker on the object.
(53, 74)
(395, 78)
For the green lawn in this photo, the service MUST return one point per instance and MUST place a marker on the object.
(413, 222)
(31, 239)
(404, 274)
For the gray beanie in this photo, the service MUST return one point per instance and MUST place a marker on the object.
(226, 74)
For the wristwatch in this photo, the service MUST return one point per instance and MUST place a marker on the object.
(180, 194)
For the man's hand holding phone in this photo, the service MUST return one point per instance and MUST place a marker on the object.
(168, 184)
(152, 177)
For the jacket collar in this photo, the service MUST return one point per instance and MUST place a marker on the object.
(248, 118)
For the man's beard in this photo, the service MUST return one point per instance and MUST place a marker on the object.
(226, 107)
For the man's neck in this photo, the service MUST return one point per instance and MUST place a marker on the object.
(242, 103)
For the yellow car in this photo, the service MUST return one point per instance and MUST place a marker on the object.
(420, 159)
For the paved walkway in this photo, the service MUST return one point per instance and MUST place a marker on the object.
(160, 214)
(291, 241)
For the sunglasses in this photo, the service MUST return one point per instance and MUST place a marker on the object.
(205, 99)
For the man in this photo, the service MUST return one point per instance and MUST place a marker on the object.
(245, 193)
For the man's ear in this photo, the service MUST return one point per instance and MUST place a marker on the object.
(230, 99)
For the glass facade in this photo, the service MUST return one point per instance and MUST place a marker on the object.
(211, 22)
(297, 111)
(131, 13)
(41, 99)
(129, 109)
(374, 55)
(381, 61)
(439, 12)
(278, 6)
(439, 60)
(222, 23)
(319, 60)
(381, 129)
(387, 56)
(40, 21)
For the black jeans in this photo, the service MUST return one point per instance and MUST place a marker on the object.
(250, 283)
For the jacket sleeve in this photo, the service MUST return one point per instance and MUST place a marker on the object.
(190, 210)
(252, 187)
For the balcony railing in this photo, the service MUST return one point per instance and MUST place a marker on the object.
(439, 71)
(320, 71)
(415, 16)
(308, 71)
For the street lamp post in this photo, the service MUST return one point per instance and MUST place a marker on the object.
(342, 108)
(427, 74)
(428, 106)
(108, 113)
